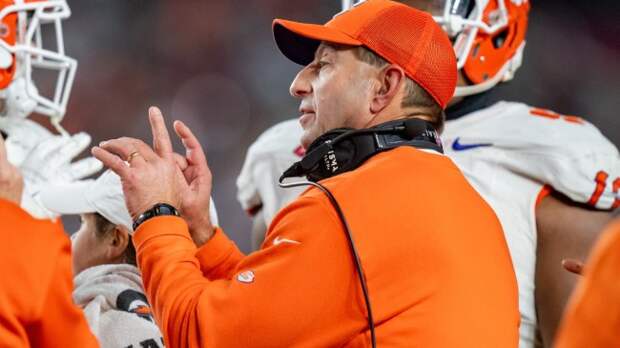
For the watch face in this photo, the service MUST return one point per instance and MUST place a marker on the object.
(165, 209)
(157, 210)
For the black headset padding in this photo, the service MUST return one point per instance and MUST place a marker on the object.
(344, 149)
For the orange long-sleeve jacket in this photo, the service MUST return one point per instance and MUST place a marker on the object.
(434, 255)
(592, 317)
(36, 308)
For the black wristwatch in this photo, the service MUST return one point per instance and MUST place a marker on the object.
(159, 209)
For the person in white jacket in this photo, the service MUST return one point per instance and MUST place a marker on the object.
(108, 285)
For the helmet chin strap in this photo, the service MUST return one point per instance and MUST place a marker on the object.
(20, 102)
(59, 128)
(506, 73)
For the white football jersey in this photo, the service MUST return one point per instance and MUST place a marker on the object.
(509, 152)
(269, 156)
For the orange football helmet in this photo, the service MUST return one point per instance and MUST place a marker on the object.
(488, 36)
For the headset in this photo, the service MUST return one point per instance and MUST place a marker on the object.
(344, 149)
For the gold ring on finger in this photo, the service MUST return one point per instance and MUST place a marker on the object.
(132, 156)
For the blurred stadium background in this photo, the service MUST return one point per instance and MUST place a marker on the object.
(213, 64)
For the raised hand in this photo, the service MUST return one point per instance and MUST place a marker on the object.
(158, 175)
(149, 177)
(23, 136)
(11, 182)
(196, 202)
(51, 162)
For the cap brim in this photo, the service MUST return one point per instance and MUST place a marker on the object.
(299, 41)
(67, 199)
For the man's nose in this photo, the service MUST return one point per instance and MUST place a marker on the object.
(301, 85)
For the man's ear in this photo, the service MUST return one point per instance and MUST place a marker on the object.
(117, 242)
(391, 79)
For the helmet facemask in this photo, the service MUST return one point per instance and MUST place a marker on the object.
(24, 26)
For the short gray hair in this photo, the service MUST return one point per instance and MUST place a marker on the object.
(415, 95)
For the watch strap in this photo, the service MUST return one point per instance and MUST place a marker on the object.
(159, 209)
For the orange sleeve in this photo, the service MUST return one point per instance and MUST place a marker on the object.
(592, 318)
(62, 322)
(285, 294)
(219, 257)
(36, 306)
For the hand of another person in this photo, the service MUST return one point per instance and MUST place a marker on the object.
(573, 266)
(51, 162)
(23, 136)
(11, 182)
(157, 175)
(43, 156)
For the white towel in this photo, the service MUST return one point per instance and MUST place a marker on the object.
(116, 308)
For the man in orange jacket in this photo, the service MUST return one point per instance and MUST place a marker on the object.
(433, 252)
(36, 309)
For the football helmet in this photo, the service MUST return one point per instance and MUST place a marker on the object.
(488, 37)
(24, 26)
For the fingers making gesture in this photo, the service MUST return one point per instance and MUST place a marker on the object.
(152, 175)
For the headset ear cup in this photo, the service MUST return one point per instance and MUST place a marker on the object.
(342, 156)
(352, 152)
(315, 164)
(332, 161)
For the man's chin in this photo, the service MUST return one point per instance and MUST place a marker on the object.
(304, 142)
(307, 138)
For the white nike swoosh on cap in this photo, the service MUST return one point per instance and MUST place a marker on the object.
(278, 241)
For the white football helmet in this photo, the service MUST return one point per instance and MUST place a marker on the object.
(488, 36)
(22, 51)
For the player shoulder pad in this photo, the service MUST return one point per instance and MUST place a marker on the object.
(564, 151)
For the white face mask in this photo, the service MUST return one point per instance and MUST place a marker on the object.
(24, 52)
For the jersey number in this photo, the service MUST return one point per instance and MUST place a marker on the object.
(555, 116)
(601, 184)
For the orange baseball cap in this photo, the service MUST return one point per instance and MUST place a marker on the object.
(400, 34)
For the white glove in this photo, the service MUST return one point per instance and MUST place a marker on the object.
(23, 136)
(50, 162)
